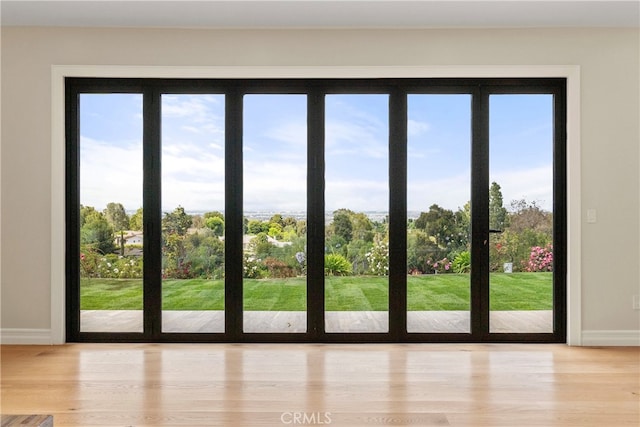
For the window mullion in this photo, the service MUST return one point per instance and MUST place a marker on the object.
(398, 214)
(234, 226)
(152, 216)
(315, 213)
(480, 214)
(72, 172)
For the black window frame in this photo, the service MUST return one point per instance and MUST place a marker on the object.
(398, 89)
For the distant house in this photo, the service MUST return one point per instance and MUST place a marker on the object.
(131, 238)
(247, 238)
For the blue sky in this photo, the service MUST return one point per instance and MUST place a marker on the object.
(274, 149)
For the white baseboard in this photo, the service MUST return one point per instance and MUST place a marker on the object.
(624, 338)
(26, 336)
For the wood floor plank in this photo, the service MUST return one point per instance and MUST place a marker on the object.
(343, 385)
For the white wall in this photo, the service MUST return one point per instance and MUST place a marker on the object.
(609, 135)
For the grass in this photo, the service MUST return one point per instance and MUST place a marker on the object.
(517, 291)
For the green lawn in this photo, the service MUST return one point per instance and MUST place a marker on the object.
(517, 291)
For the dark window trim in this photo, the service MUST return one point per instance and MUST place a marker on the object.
(397, 88)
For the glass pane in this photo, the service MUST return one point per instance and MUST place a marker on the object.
(357, 201)
(439, 214)
(110, 197)
(193, 213)
(275, 209)
(520, 213)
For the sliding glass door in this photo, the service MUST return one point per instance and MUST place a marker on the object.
(110, 239)
(274, 148)
(356, 264)
(192, 203)
(439, 213)
(399, 210)
(521, 210)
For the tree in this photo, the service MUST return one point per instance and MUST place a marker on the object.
(96, 233)
(357, 251)
(174, 230)
(208, 221)
(439, 223)
(256, 227)
(119, 220)
(289, 222)
(215, 224)
(529, 216)
(197, 222)
(420, 249)
(528, 226)
(177, 222)
(301, 228)
(117, 216)
(260, 246)
(275, 230)
(342, 226)
(214, 214)
(362, 228)
(498, 219)
(205, 253)
(336, 244)
(136, 220)
(277, 219)
(86, 212)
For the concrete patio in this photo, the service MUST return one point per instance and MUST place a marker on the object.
(538, 321)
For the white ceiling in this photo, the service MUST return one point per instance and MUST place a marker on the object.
(322, 13)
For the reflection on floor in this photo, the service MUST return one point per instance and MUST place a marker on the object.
(535, 321)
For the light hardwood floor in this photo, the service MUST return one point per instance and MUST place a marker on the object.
(326, 384)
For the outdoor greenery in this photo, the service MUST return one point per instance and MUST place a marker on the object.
(517, 291)
(356, 257)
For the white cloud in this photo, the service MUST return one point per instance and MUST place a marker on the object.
(294, 134)
(272, 185)
(415, 127)
(357, 194)
(535, 184)
(346, 138)
(448, 192)
(110, 173)
(193, 165)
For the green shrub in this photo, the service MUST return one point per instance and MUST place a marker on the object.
(336, 265)
(462, 262)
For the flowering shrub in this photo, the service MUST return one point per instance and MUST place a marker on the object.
(540, 259)
(94, 264)
(378, 259)
(89, 260)
(253, 268)
(441, 266)
(178, 270)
